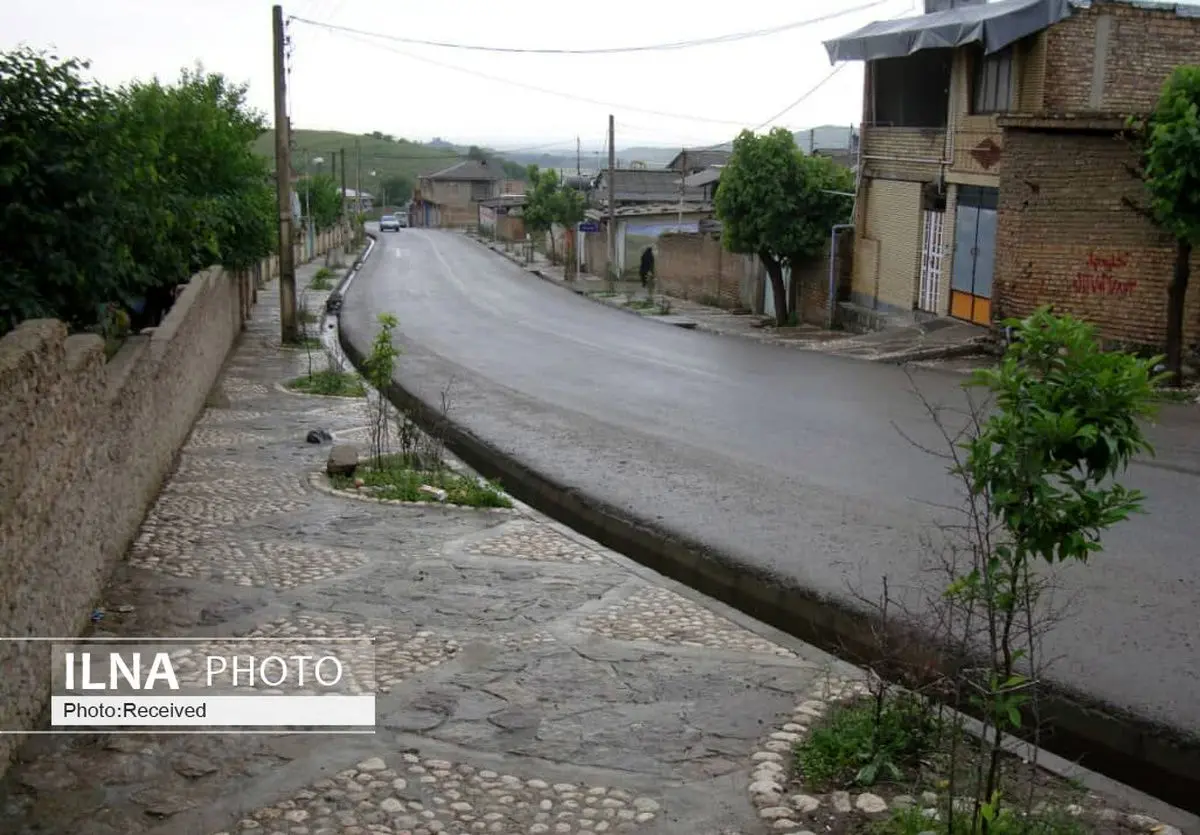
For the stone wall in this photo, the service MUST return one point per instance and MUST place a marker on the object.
(1067, 237)
(85, 444)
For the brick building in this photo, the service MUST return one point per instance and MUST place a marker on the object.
(994, 177)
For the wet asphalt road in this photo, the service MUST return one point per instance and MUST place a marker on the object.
(787, 459)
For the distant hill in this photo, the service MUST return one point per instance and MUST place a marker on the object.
(382, 154)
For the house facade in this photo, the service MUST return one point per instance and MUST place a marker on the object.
(450, 198)
(993, 176)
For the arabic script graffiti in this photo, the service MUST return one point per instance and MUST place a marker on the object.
(1098, 278)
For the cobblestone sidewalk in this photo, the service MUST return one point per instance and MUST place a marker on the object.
(529, 680)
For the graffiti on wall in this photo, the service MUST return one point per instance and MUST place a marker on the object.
(1100, 279)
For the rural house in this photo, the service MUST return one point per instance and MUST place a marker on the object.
(994, 178)
(691, 160)
(450, 197)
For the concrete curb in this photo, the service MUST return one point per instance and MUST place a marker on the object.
(1122, 747)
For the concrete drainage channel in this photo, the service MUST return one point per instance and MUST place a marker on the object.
(1124, 748)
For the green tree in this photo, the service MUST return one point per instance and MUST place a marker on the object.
(477, 153)
(63, 186)
(398, 189)
(569, 208)
(514, 170)
(1171, 171)
(776, 203)
(324, 199)
(540, 198)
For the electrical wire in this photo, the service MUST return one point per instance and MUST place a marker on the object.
(612, 50)
(547, 91)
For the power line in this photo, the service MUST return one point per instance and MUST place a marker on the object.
(547, 91)
(802, 98)
(612, 50)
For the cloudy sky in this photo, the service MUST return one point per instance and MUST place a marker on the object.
(362, 82)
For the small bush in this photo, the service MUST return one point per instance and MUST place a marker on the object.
(850, 748)
(329, 383)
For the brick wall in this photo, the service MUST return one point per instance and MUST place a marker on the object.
(1142, 47)
(1066, 238)
(697, 267)
(890, 246)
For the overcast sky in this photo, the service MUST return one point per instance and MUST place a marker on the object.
(355, 83)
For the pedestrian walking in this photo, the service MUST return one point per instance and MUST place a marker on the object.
(646, 271)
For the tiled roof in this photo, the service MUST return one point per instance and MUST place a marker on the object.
(700, 158)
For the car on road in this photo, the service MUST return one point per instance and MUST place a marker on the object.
(389, 222)
(403, 218)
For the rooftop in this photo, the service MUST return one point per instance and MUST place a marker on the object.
(469, 169)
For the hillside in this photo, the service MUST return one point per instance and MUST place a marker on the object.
(384, 156)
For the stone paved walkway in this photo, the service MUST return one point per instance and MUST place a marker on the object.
(530, 681)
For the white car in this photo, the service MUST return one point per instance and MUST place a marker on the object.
(389, 223)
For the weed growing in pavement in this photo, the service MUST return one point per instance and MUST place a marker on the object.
(329, 383)
(323, 280)
(862, 743)
(405, 478)
(912, 821)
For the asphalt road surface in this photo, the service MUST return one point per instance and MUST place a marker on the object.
(789, 460)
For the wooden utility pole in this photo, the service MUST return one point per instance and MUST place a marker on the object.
(283, 181)
(682, 183)
(612, 198)
(358, 175)
(578, 158)
(343, 182)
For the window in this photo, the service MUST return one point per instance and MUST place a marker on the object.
(913, 91)
(992, 85)
(481, 190)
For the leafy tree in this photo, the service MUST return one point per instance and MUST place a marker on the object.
(514, 170)
(775, 203)
(569, 208)
(63, 181)
(540, 200)
(398, 189)
(477, 153)
(1171, 170)
(324, 199)
(149, 184)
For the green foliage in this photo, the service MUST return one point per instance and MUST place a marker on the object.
(323, 197)
(541, 197)
(774, 200)
(399, 478)
(1067, 423)
(323, 280)
(862, 743)
(398, 189)
(110, 195)
(912, 821)
(378, 367)
(329, 383)
(1172, 155)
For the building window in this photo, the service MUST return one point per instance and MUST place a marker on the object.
(481, 190)
(992, 85)
(913, 91)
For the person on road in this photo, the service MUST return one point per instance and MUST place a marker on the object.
(646, 271)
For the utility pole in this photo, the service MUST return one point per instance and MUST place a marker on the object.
(283, 181)
(682, 183)
(612, 198)
(578, 158)
(358, 174)
(343, 183)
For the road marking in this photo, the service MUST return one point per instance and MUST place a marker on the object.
(400, 253)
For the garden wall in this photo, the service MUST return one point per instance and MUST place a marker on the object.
(85, 444)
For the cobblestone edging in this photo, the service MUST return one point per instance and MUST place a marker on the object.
(432, 796)
(320, 481)
(778, 793)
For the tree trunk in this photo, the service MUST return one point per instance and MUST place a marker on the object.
(775, 272)
(1176, 294)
